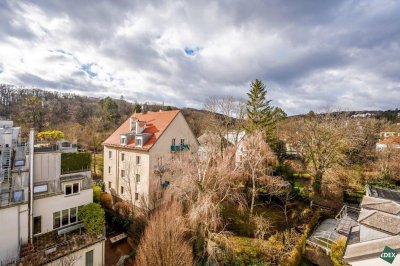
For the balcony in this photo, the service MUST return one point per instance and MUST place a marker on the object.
(183, 147)
(53, 245)
(53, 187)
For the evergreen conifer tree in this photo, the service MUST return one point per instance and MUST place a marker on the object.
(260, 115)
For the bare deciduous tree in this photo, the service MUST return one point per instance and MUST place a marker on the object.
(164, 242)
(203, 186)
(323, 141)
(257, 159)
(262, 226)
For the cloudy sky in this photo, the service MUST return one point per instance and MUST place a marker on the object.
(311, 54)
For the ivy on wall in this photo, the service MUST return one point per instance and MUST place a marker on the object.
(75, 161)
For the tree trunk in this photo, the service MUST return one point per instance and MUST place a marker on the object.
(94, 162)
(317, 182)
(253, 196)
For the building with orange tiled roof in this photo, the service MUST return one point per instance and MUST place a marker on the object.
(140, 146)
(389, 142)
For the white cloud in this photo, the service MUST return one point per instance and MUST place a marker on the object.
(339, 53)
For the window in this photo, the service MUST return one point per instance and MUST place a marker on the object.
(40, 188)
(89, 258)
(137, 178)
(139, 142)
(109, 154)
(137, 159)
(75, 188)
(122, 190)
(73, 215)
(122, 157)
(109, 169)
(173, 142)
(56, 220)
(182, 142)
(122, 173)
(71, 189)
(123, 140)
(19, 163)
(109, 184)
(18, 196)
(136, 196)
(37, 225)
(64, 220)
(68, 189)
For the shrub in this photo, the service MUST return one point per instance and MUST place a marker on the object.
(123, 208)
(164, 241)
(337, 249)
(297, 252)
(96, 194)
(93, 218)
(75, 161)
(106, 200)
(51, 135)
(122, 223)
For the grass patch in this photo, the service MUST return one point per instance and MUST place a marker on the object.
(238, 222)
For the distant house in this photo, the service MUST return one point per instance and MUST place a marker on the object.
(385, 134)
(389, 142)
(210, 142)
(140, 145)
(377, 226)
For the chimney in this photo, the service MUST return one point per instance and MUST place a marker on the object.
(144, 108)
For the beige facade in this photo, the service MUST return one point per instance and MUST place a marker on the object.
(14, 226)
(95, 252)
(120, 175)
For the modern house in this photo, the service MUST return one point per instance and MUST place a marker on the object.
(40, 197)
(135, 154)
(376, 227)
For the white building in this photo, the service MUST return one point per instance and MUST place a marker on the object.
(377, 226)
(43, 226)
(138, 148)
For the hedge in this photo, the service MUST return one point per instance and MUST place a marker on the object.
(75, 161)
(297, 252)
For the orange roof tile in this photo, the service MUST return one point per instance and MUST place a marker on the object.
(156, 123)
(391, 140)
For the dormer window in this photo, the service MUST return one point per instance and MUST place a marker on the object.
(138, 142)
(133, 125)
(123, 140)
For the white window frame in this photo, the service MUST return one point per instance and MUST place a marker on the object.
(139, 142)
(72, 189)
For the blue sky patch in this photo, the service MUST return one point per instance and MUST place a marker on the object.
(190, 51)
(87, 69)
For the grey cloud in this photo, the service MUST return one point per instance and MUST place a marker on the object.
(359, 41)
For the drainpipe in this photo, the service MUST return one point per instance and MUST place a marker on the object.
(31, 151)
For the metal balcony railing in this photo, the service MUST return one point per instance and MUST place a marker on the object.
(183, 147)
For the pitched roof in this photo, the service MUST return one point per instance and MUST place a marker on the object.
(380, 205)
(392, 140)
(156, 123)
(383, 193)
(381, 221)
(371, 248)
